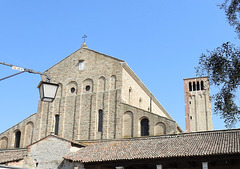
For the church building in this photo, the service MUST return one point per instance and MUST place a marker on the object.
(104, 117)
(99, 97)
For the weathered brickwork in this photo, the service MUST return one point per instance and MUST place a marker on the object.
(26, 128)
(99, 97)
(158, 125)
(198, 111)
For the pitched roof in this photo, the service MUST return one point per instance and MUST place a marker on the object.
(168, 146)
(88, 50)
(12, 155)
(74, 143)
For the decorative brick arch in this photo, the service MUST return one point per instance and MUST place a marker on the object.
(4, 143)
(127, 128)
(113, 82)
(159, 129)
(72, 88)
(101, 84)
(87, 85)
(28, 138)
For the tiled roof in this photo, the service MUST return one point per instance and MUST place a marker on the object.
(12, 155)
(74, 143)
(180, 145)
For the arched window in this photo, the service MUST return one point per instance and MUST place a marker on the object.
(202, 86)
(194, 86)
(17, 139)
(100, 120)
(190, 86)
(56, 124)
(198, 86)
(144, 127)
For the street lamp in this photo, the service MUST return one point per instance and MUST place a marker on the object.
(47, 90)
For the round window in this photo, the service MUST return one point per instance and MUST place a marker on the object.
(73, 90)
(87, 88)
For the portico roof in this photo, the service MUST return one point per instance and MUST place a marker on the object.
(12, 155)
(210, 143)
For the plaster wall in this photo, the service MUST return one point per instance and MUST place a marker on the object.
(134, 94)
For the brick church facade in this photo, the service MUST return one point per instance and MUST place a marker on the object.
(99, 97)
(104, 117)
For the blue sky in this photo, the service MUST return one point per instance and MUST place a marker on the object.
(160, 40)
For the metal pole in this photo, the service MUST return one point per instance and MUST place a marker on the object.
(11, 76)
(22, 70)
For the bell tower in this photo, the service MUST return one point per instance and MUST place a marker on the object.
(198, 113)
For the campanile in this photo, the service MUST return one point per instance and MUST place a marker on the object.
(198, 113)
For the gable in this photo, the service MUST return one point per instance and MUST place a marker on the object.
(48, 152)
(82, 64)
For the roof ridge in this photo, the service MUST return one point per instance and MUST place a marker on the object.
(162, 136)
(52, 135)
(84, 49)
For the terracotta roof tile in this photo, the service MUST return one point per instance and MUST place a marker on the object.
(181, 145)
(56, 136)
(12, 155)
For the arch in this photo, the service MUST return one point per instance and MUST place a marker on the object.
(4, 143)
(194, 86)
(198, 85)
(144, 123)
(17, 139)
(127, 129)
(202, 85)
(72, 88)
(87, 86)
(28, 133)
(100, 120)
(101, 84)
(56, 127)
(190, 86)
(113, 82)
(159, 129)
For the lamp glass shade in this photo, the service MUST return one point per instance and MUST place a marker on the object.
(47, 91)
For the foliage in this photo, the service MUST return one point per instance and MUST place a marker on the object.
(222, 65)
(232, 10)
